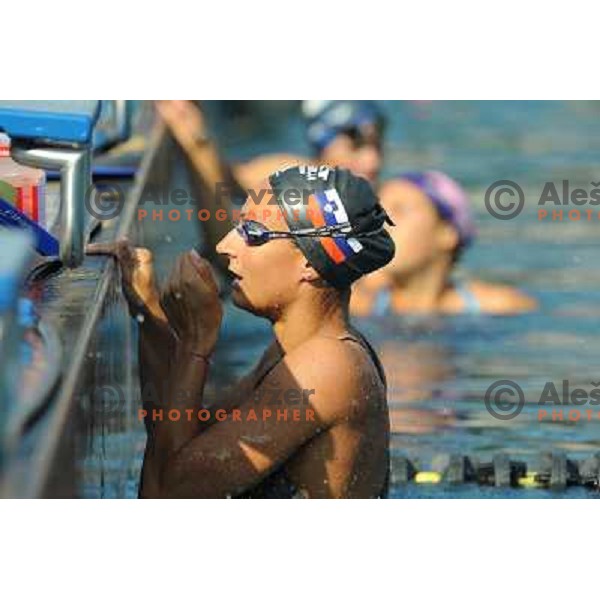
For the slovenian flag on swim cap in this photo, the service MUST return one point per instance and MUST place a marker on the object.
(326, 208)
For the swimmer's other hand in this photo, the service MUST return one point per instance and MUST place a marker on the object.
(192, 305)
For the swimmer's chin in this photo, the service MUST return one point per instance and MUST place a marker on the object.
(240, 300)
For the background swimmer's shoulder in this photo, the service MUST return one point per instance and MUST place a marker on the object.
(259, 168)
(501, 299)
(367, 293)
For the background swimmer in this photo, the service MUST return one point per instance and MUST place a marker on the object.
(347, 133)
(297, 275)
(342, 133)
(434, 225)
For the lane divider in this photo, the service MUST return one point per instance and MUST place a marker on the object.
(551, 470)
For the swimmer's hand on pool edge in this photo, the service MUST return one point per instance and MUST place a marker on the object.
(138, 280)
(191, 302)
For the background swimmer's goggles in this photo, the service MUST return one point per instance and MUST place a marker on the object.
(256, 234)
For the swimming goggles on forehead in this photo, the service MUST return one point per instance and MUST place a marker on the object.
(256, 234)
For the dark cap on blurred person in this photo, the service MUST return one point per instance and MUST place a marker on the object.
(326, 119)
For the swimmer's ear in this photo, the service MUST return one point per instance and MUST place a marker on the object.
(308, 273)
(449, 238)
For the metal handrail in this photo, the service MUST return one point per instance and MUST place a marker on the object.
(122, 120)
(74, 165)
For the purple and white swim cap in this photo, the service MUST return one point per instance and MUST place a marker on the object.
(450, 199)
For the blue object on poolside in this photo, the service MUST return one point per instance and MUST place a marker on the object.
(55, 134)
(114, 123)
(69, 121)
(14, 258)
(45, 243)
(7, 284)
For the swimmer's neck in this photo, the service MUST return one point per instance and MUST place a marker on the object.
(304, 320)
(423, 292)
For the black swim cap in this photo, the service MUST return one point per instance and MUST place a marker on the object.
(317, 196)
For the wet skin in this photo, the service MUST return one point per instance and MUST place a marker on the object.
(341, 452)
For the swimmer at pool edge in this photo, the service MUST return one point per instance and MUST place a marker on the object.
(300, 281)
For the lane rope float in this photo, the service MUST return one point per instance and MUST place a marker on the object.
(551, 470)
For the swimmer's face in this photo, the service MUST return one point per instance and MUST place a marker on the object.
(358, 150)
(267, 276)
(420, 234)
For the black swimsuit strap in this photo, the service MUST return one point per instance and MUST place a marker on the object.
(359, 338)
(266, 369)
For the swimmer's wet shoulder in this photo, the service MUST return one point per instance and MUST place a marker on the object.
(323, 451)
(306, 475)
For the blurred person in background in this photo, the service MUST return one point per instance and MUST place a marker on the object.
(434, 226)
(431, 211)
(347, 133)
(342, 133)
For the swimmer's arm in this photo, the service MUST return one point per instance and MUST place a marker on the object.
(218, 181)
(185, 392)
(235, 454)
(156, 340)
(186, 123)
(212, 176)
(191, 304)
(155, 347)
(244, 389)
